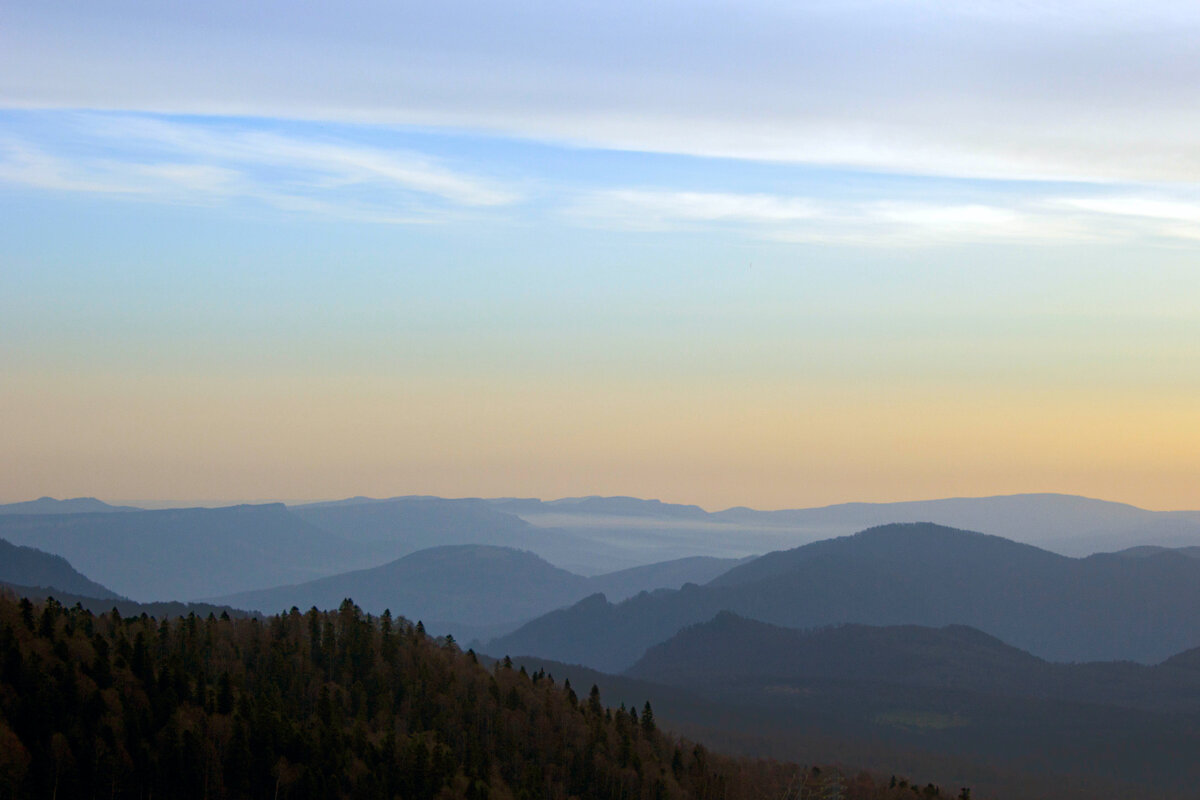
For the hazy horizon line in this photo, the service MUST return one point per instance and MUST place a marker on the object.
(164, 504)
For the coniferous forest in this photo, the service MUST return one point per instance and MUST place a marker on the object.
(332, 704)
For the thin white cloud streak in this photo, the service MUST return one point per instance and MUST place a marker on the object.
(202, 163)
(883, 222)
(1105, 91)
(640, 209)
(333, 164)
(1137, 206)
(26, 165)
(1148, 216)
(196, 164)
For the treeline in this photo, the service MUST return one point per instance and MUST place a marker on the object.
(331, 705)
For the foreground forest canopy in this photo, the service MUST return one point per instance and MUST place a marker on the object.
(334, 704)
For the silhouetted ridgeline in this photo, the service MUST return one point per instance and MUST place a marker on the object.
(324, 705)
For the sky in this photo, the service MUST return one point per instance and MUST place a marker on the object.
(754, 253)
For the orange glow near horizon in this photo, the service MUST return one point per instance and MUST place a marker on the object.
(761, 444)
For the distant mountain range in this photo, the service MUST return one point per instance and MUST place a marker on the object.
(74, 505)
(940, 649)
(602, 506)
(190, 554)
(1105, 607)
(186, 554)
(1152, 550)
(713, 654)
(28, 572)
(477, 583)
(672, 574)
(1066, 524)
(470, 589)
(29, 567)
(422, 522)
(902, 694)
(910, 699)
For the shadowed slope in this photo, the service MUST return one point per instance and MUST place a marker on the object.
(731, 650)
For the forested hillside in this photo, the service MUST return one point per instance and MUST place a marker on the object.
(324, 705)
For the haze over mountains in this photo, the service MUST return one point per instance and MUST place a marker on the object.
(952, 657)
(1098, 608)
(905, 643)
(588, 536)
(471, 590)
(26, 566)
(73, 505)
(186, 554)
(918, 692)
(193, 553)
(1137, 605)
(402, 525)
(1065, 524)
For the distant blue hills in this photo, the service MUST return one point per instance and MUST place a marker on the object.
(912, 641)
(1104, 607)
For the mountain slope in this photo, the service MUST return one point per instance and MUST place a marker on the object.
(468, 589)
(1152, 550)
(1099, 608)
(672, 574)
(405, 525)
(954, 657)
(480, 584)
(27, 566)
(418, 522)
(718, 650)
(953, 691)
(904, 547)
(188, 553)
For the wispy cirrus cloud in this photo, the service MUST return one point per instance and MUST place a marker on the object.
(28, 165)
(1040, 217)
(1137, 206)
(807, 219)
(320, 162)
(1062, 89)
(179, 162)
(369, 175)
(665, 209)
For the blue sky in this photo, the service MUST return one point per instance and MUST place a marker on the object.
(772, 254)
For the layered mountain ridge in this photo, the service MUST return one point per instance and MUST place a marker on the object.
(1105, 607)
